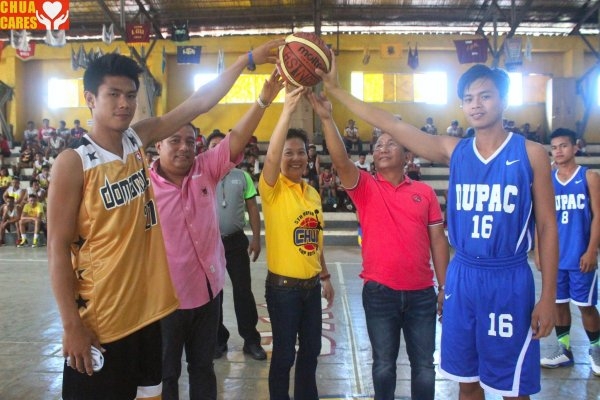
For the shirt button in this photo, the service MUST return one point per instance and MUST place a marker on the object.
(212, 268)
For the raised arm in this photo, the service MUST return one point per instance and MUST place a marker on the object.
(64, 198)
(243, 130)
(206, 97)
(543, 316)
(434, 148)
(272, 162)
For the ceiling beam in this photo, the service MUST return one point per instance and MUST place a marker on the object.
(593, 9)
(155, 25)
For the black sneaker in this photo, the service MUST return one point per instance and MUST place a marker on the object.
(255, 351)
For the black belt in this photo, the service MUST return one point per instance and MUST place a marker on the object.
(286, 281)
(232, 235)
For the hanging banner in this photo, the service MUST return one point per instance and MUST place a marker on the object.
(188, 54)
(513, 57)
(28, 53)
(137, 33)
(471, 51)
(413, 57)
(391, 50)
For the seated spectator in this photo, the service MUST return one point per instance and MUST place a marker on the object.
(581, 147)
(412, 167)
(4, 148)
(44, 177)
(30, 135)
(25, 158)
(32, 214)
(63, 131)
(470, 132)
(374, 136)
(362, 162)
(201, 143)
(35, 188)
(311, 175)
(76, 134)
(326, 184)
(39, 162)
(429, 127)
(15, 191)
(45, 132)
(10, 214)
(455, 130)
(351, 137)
(252, 147)
(5, 180)
(56, 144)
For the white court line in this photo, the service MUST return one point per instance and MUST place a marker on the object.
(357, 382)
(23, 260)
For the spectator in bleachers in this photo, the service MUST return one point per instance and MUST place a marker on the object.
(454, 129)
(10, 214)
(313, 169)
(26, 157)
(252, 166)
(374, 136)
(429, 127)
(326, 184)
(38, 163)
(4, 148)
(252, 147)
(30, 135)
(412, 168)
(44, 177)
(56, 144)
(15, 191)
(5, 180)
(77, 133)
(362, 162)
(63, 131)
(45, 132)
(35, 188)
(351, 137)
(581, 147)
(32, 213)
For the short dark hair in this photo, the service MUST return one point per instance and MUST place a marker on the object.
(214, 134)
(110, 65)
(498, 76)
(560, 132)
(76, 121)
(298, 134)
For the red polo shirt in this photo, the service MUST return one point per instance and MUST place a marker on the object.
(395, 221)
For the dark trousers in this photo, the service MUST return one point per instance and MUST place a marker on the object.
(295, 313)
(238, 268)
(196, 330)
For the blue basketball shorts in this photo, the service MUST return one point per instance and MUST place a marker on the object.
(578, 287)
(486, 326)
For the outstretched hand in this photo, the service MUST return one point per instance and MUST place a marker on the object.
(271, 87)
(330, 79)
(267, 52)
(320, 104)
(292, 98)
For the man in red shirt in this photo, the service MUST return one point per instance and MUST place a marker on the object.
(403, 229)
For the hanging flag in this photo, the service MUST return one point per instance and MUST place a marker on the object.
(19, 40)
(137, 33)
(82, 58)
(391, 50)
(164, 60)
(528, 48)
(366, 56)
(74, 63)
(26, 54)
(220, 62)
(180, 33)
(413, 57)
(188, 54)
(513, 57)
(471, 51)
(56, 38)
(108, 34)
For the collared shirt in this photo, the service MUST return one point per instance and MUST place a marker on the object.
(188, 218)
(293, 227)
(395, 223)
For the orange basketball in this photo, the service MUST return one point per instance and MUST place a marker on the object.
(300, 56)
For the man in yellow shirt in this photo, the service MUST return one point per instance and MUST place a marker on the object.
(32, 213)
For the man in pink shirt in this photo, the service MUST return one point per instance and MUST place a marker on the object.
(185, 191)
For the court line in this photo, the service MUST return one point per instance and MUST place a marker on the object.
(357, 382)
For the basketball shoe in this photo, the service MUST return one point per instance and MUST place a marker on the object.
(595, 359)
(35, 243)
(22, 242)
(562, 357)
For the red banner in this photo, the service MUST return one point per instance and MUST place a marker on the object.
(471, 51)
(26, 54)
(137, 33)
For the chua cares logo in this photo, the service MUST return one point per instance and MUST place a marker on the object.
(34, 15)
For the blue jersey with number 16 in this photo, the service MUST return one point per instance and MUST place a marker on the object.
(490, 207)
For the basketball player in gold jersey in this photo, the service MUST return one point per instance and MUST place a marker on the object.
(106, 254)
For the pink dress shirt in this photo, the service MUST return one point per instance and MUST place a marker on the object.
(190, 226)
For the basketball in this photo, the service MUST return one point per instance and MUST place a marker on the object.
(300, 56)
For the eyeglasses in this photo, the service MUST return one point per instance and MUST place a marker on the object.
(389, 145)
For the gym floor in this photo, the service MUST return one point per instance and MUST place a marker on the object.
(30, 340)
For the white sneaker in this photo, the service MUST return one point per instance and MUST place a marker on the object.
(595, 360)
(562, 357)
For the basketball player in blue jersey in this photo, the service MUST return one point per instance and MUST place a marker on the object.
(500, 189)
(577, 198)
